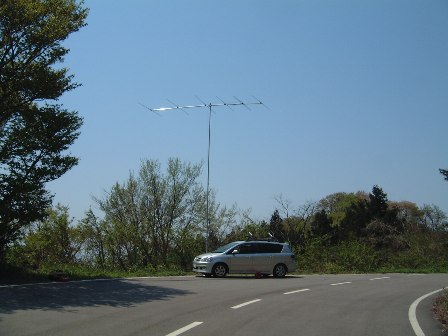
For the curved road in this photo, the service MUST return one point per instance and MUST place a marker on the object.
(295, 305)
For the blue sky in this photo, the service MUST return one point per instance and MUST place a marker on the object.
(357, 92)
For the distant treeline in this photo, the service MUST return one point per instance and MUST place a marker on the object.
(157, 220)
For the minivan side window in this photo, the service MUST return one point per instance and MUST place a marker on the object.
(270, 248)
(247, 248)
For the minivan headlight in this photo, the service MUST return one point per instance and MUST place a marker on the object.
(207, 259)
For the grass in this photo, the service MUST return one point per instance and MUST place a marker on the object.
(440, 309)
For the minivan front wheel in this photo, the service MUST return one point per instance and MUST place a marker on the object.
(279, 271)
(219, 270)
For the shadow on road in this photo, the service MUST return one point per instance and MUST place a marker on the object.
(251, 277)
(70, 296)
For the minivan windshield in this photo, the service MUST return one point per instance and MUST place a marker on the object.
(226, 247)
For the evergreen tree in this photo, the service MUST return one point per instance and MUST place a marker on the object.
(35, 132)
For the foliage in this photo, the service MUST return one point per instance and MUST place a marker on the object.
(444, 172)
(359, 232)
(53, 241)
(434, 218)
(276, 226)
(154, 223)
(154, 218)
(144, 215)
(35, 132)
(440, 309)
(320, 256)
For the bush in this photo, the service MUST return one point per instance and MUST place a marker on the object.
(354, 256)
(440, 309)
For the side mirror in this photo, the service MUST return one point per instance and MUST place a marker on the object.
(235, 252)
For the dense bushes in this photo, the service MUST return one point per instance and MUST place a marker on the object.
(319, 256)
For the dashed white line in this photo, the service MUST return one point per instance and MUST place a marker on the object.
(184, 329)
(379, 278)
(245, 304)
(297, 291)
(341, 283)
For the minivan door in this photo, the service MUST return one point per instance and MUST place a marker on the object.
(241, 259)
(267, 257)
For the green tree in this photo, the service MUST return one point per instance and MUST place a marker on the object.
(94, 233)
(276, 226)
(348, 214)
(35, 131)
(386, 226)
(434, 218)
(378, 202)
(53, 242)
(444, 172)
(157, 217)
(321, 224)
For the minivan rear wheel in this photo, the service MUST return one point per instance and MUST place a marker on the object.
(219, 270)
(279, 271)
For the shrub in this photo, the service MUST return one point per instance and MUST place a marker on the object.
(440, 309)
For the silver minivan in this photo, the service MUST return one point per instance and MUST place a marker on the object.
(252, 256)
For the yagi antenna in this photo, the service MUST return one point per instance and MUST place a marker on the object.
(203, 104)
(209, 105)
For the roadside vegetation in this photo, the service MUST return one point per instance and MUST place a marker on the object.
(154, 224)
(440, 309)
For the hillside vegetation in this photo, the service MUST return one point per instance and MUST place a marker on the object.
(155, 222)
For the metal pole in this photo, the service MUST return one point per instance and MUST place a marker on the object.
(208, 179)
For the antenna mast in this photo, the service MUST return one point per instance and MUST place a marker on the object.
(209, 106)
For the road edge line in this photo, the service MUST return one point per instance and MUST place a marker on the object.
(412, 313)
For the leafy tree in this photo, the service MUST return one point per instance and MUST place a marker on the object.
(54, 241)
(348, 213)
(434, 218)
(378, 202)
(444, 172)
(336, 206)
(276, 226)
(94, 234)
(35, 131)
(321, 224)
(386, 226)
(157, 218)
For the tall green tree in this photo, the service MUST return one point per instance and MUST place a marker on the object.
(156, 217)
(444, 172)
(35, 131)
(276, 226)
(378, 202)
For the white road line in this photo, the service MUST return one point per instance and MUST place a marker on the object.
(416, 274)
(297, 291)
(379, 278)
(184, 329)
(341, 283)
(412, 313)
(245, 304)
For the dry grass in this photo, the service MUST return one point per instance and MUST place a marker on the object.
(440, 309)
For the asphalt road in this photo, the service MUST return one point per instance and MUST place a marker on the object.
(296, 305)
